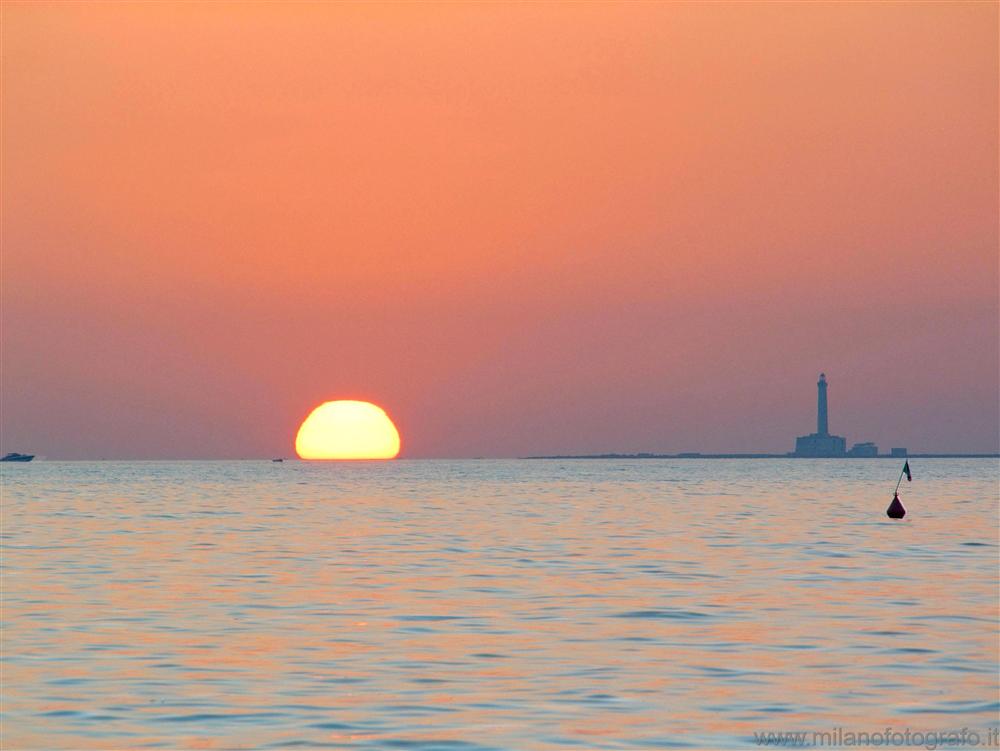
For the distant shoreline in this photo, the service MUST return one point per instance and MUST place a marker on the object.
(688, 455)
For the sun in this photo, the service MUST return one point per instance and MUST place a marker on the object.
(347, 429)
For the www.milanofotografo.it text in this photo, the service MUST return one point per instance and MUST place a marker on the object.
(884, 738)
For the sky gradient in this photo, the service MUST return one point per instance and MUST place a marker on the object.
(519, 229)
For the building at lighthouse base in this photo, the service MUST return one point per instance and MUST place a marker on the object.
(815, 444)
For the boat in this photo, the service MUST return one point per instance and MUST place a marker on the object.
(277, 460)
(16, 457)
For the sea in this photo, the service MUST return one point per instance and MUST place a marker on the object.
(499, 604)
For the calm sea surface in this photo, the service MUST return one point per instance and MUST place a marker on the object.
(474, 605)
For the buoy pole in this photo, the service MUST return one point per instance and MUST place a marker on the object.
(901, 473)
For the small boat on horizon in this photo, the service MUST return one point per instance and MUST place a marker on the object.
(16, 457)
(279, 459)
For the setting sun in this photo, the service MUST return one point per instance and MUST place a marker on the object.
(347, 430)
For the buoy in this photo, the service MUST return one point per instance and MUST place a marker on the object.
(896, 510)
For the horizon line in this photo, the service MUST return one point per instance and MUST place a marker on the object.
(687, 456)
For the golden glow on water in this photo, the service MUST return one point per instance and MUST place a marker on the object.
(528, 605)
(347, 429)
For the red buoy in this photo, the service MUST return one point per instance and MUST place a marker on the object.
(895, 510)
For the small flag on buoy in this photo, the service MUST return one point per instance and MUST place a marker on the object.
(896, 510)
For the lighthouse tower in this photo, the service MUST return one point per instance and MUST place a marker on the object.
(822, 428)
(821, 443)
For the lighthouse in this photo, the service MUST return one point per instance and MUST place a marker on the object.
(821, 443)
(822, 427)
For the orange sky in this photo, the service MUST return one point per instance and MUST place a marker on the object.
(519, 228)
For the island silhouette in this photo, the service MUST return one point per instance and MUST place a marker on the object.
(818, 445)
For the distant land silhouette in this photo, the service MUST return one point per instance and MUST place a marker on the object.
(789, 455)
(818, 445)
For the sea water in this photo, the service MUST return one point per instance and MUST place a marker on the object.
(471, 605)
